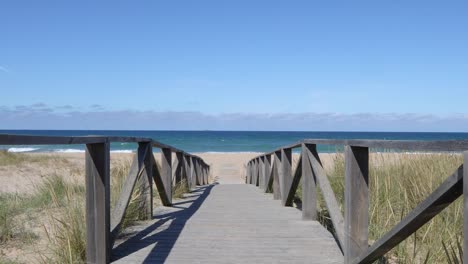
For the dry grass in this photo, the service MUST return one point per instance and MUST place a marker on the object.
(58, 205)
(14, 159)
(397, 183)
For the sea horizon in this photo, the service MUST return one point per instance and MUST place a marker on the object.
(213, 141)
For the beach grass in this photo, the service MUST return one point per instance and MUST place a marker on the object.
(58, 205)
(14, 159)
(397, 184)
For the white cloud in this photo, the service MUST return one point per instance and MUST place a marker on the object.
(43, 116)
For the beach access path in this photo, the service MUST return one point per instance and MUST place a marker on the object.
(227, 222)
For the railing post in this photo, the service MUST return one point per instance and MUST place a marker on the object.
(178, 167)
(465, 210)
(166, 171)
(197, 168)
(267, 171)
(187, 171)
(146, 179)
(276, 177)
(286, 174)
(261, 169)
(251, 172)
(257, 171)
(97, 203)
(309, 185)
(247, 170)
(254, 172)
(356, 201)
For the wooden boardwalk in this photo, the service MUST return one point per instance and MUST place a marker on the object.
(232, 223)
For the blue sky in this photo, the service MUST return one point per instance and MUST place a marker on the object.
(367, 61)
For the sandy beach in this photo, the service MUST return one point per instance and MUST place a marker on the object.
(226, 168)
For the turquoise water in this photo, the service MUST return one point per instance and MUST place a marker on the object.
(219, 141)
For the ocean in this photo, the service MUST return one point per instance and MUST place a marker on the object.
(220, 141)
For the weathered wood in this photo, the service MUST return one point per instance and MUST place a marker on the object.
(98, 246)
(267, 171)
(199, 176)
(187, 171)
(193, 173)
(413, 145)
(235, 223)
(294, 183)
(6, 139)
(356, 201)
(276, 180)
(328, 195)
(164, 181)
(465, 207)
(273, 170)
(166, 200)
(257, 172)
(146, 182)
(261, 169)
(309, 186)
(178, 163)
(247, 173)
(443, 196)
(285, 176)
(137, 171)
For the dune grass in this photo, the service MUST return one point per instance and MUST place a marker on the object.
(13, 159)
(397, 183)
(61, 205)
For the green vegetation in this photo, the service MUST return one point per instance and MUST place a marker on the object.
(13, 159)
(63, 205)
(396, 185)
(179, 189)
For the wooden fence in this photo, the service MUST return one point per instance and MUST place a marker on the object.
(103, 225)
(272, 172)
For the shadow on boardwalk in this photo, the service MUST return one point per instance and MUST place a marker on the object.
(164, 232)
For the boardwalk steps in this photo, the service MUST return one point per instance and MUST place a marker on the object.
(232, 223)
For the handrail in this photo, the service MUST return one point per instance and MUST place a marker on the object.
(351, 230)
(102, 225)
(10, 139)
(411, 145)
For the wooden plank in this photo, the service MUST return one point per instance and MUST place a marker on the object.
(272, 177)
(166, 172)
(146, 182)
(178, 163)
(194, 172)
(276, 180)
(294, 183)
(328, 195)
(254, 172)
(257, 172)
(443, 196)
(267, 171)
(235, 223)
(136, 172)
(261, 169)
(187, 171)
(7, 139)
(98, 246)
(465, 207)
(356, 201)
(309, 185)
(197, 169)
(247, 173)
(158, 179)
(205, 174)
(285, 176)
(408, 145)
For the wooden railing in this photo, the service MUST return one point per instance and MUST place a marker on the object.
(103, 225)
(272, 172)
